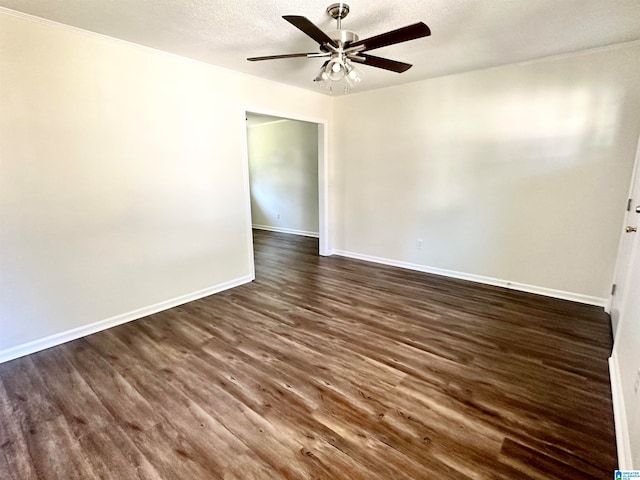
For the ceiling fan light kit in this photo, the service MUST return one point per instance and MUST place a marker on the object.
(343, 48)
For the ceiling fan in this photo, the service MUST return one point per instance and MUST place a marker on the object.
(342, 48)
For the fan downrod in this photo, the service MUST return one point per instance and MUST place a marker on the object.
(338, 11)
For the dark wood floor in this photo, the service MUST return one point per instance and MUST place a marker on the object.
(323, 368)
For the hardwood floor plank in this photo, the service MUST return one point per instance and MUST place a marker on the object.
(14, 455)
(159, 384)
(74, 398)
(527, 406)
(235, 455)
(170, 454)
(125, 404)
(261, 406)
(322, 368)
(7, 424)
(113, 456)
(346, 395)
(55, 452)
(277, 400)
(27, 394)
(538, 466)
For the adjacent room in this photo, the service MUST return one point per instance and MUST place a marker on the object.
(283, 174)
(306, 240)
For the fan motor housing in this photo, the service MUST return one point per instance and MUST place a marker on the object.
(343, 36)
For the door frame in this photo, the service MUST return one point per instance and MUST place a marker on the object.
(624, 246)
(323, 175)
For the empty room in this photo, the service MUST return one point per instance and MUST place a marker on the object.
(304, 240)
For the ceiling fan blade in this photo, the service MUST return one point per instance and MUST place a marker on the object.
(404, 34)
(307, 27)
(287, 55)
(379, 62)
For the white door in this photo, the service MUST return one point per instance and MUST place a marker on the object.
(626, 355)
(627, 240)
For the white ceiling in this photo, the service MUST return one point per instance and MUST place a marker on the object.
(466, 34)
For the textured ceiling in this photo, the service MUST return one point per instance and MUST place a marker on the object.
(466, 34)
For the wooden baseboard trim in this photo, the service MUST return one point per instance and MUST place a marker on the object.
(75, 333)
(548, 292)
(623, 443)
(292, 231)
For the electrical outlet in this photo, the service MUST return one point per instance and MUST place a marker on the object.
(419, 244)
(277, 216)
(637, 382)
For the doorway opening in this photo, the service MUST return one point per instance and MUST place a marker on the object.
(286, 177)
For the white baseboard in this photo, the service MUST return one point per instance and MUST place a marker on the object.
(620, 416)
(74, 333)
(548, 292)
(304, 233)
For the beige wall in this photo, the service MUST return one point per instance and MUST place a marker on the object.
(122, 181)
(283, 169)
(122, 176)
(516, 173)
